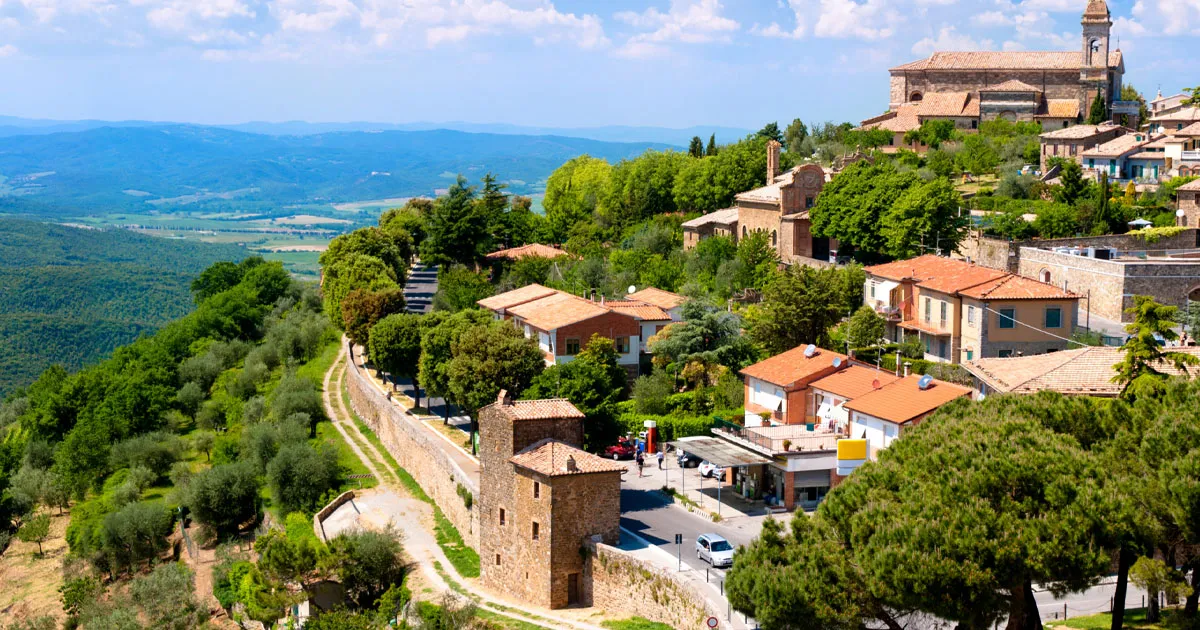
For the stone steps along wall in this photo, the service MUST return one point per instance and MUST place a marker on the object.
(419, 452)
(625, 586)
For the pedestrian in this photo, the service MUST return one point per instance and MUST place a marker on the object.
(660, 460)
(641, 462)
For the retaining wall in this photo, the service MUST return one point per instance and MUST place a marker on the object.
(625, 586)
(1005, 255)
(320, 516)
(417, 451)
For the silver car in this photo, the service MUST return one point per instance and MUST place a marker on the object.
(715, 550)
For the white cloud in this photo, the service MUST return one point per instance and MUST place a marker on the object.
(312, 16)
(686, 21)
(949, 39)
(992, 18)
(845, 19)
(775, 30)
(47, 10)
(449, 21)
(1168, 17)
(183, 15)
(8, 50)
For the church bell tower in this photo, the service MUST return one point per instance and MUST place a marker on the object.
(1094, 72)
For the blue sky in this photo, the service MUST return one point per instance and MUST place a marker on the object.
(536, 62)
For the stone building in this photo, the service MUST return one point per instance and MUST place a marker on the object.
(540, 499)
(1073, 141)
(1189, 202)
(1055, 88)
(779, 209)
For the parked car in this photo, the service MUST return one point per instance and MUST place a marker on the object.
(623, 449)
(714, 550)
(709, 469)
(687, 460)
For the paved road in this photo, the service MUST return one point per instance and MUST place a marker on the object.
(650, 515)
(422, 284)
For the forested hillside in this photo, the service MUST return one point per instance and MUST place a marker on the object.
(70, 295)
(148, 169)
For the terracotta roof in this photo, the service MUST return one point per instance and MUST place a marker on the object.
(548, 409)
(1085, 371)
(657, 297)
(903, 401)
(1014, 287)
(1079, 132)
(516, 297)
(854, 381)
(720, 217)
(1149, 155)
(1192, 186)
(1006, 60)
(1060, 108)
(771, 193)
(1187, 114)
(929, 329)
(792, 366)
(943, 104)
(945, 275)
(557, 310)
(1120, 145)
(550, 457)
(902, 120)
(1011, 85)
(533, 250)
(1190, 130)
(639, 310)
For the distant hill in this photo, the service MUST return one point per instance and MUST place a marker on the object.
(14, 126)
(71, 295)
(160, 167)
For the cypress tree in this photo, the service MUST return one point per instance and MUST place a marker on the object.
(696, 148)
(712, 145)
(1099, 112)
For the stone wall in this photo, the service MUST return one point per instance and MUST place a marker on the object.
(1189, 202)
(415, 449)
(1005, 255)
(625, 586)
(324, 513)
(1111, 285)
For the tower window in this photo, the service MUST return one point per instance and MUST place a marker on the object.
(536, 530)
(502, 516)
(537, 490)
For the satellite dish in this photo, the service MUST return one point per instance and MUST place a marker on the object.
(632, 289)
(810, 351)
(925, 382)
(1181, 213)
(875, 384)
(837, 362)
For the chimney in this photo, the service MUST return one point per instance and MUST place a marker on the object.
(907, 364)
(504, 399)
(571, 466)
(773, 147)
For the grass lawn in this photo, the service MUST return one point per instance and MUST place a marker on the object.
(316, 368)
(1134, 620)
(346, 457)
(635, 623)
(507, 622)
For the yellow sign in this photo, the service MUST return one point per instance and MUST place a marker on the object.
(851, 449)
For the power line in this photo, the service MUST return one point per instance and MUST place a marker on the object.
(1043, 331)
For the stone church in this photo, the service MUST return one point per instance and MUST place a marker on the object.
(1055, 88)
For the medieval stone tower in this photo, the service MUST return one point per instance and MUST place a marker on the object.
(1094, 73)
(540, 498)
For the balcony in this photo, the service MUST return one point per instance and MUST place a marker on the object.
(777, 440)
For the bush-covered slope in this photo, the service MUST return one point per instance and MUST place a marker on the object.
(70, 295)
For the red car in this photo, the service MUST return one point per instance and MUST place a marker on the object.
(623, 449)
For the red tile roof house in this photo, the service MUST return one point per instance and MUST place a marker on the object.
(779, 386)
(881, 416)
(813, 397)
(961, 311)
(563, 323)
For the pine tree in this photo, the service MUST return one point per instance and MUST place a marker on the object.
(696, 148)
(1139, 371)
(712, 145)
(1099, 111)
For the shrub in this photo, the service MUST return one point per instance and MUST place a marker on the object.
(154, 452)
(224, 497)
(300, 475)
(368, 563)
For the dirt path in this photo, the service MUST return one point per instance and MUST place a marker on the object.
(202, 567)
(341, 419)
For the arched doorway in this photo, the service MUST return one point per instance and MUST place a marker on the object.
(1044, 275)
(915, 97)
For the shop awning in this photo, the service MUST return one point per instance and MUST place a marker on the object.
(825, 412)
(720, 452)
